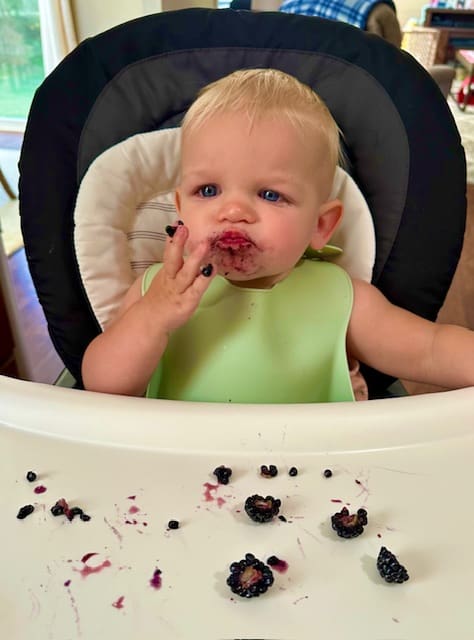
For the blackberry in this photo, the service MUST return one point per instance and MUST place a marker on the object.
(61, 507)
(222, 474)
(31, 476)
(293, 471)
(207, 270)
(57, 509)
(25, 511)
(173, 524)
(349, 525)
(389, 567)
(268, 472)
(260, 509)
(327, 473)
(249, 577)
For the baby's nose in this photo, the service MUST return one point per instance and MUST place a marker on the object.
(237, 210)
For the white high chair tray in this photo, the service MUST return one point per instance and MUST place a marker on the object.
(134, 464)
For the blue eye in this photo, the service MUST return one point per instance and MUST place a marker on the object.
(270, 195)
(208, 190)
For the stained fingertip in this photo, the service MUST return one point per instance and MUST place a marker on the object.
(207, 270)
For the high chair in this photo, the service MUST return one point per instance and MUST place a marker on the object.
(402, 145)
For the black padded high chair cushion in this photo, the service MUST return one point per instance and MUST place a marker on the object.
(403, 147)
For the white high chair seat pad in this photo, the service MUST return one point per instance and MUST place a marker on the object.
(126, 199)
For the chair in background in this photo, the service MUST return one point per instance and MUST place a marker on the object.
(422, 44)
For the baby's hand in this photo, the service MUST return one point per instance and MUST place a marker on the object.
(178, 287)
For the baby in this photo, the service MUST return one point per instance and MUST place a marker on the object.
(234, 313)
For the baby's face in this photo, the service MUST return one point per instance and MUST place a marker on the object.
(253, 194)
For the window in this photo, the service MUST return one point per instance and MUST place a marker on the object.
(21, 60)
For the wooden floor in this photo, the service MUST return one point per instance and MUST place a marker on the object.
(45, 365)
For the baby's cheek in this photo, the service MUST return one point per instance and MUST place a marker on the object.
(190, 245)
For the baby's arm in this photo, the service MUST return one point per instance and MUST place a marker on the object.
(122, 359)
(406, 346)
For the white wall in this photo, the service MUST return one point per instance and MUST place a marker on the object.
(407, 9)
(94, 16)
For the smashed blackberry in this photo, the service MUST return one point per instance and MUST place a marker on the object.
(249, 577)
(57, 509)
(349, 525)
(61, 507)
(25, 511)
(293, 471)
(222, 474)
(327, 473)
(173, 524)
(389, 567)
(31, 476)
(268, 472)
(260, 509)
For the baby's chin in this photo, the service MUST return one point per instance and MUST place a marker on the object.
(257, 280)
(235, 265)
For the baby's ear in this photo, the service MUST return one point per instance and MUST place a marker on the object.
(329, 217)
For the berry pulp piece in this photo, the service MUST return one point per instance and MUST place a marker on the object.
(327, 473)
(293, 471)
(173, 524)
(25, 511)
(31, 476)
(222, 474)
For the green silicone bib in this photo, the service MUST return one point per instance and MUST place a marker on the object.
(279, 345)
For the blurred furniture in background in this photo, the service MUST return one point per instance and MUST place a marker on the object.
(422, 43)
(456, 27)
(374, 16)
(465, 94)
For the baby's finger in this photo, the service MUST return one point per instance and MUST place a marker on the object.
(191, 269)
(173, 256)
(202, 282)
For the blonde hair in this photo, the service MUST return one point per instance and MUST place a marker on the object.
(261, 92)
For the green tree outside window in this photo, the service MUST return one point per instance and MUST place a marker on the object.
(21, 60)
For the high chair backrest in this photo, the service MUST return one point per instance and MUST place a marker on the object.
(402, 145)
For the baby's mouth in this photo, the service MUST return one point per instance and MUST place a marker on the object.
(232, 240)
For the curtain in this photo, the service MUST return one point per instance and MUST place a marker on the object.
(58, 32)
